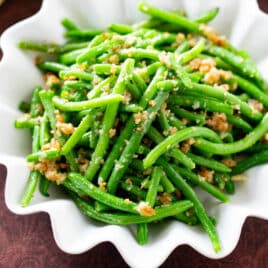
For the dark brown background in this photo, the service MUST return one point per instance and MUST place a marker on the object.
(27, 241)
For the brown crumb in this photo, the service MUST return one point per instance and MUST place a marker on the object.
(127, 97)
(114, 59)
(229, 162)
(112, 132)
(53, 144)
(172, 130)
(164, 58)
(37, 60)
(165, 198)
(140, 117)
(152, 103)
(82, 66)
(102, 185)
(145, 209)
(51, 80)
(213, 36)
(127, 201)
(256, 105)
(129, 182)
(218, 121)
(207, 174)
(65, 128)
(178, 194)
(186, 145)
(50, 169)
(215, 76)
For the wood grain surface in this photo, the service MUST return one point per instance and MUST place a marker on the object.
(27, 241)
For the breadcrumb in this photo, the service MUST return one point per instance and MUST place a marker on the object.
(112, 132)
(53, 144)
(218, 121)
(102, 185)
(145, 209)
(213, 36)
(229, 162)
(206, 174)
(186, 145)
(256, 105)
(140, 117)
(165, 198)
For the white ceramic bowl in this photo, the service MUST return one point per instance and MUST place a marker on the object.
(246, 27)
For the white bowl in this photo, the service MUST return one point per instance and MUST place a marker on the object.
(246, 27)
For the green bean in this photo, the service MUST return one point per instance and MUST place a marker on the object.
(167, 184)
(157, 138)
(66, 106)
(69, 58)
(48, 154)
(208, 16)
(191, 220)
(142, 233)
(120, 28)
(46, 99)
(133, 144)
(93, 52)
(237, 146)
(254, 160)
(115, 152)
(200, 103)
(85, 124)
(179, 136)
(223, 95)
(78, 183)
(94, 135)
(155, 180)
(192, 53)
(100, 88)
(175, 122)
(230, 187)
(126, 219)
(191, 195)
(108, 122)
(25, 122)
(149, 70)
(139, 81)
(68, 24)
(244, 97)
(252, 90)
(133, 189)
(34, 175)
(210, 163)
(239, 122)
(170, 17)
(75, 73)
(76, 33)
(183, 47)
(257, 147)
(139, 53)
(51, 66)
(106, 69)
(44, 185)
(24, 106)
(182, 113)
(244, 66)
(163, 121)
(133, 89)
(130, 108)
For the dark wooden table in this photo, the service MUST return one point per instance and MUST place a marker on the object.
(27, 241)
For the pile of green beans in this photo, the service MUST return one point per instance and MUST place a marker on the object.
(129, 128)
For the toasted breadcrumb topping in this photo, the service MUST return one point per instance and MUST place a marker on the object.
(51, 80)
(218, 121)
(165, 198)
(127, 201)
(215, 76)
(186, 145)
(112, 132)
(164, 58)
(140, 117)
(256, 105)
(114, 59)
(65, 128)
(50, 169)
(145, 209)
(127, 97)
(53, 144)
(213, 36)
(207, 174)
(229, 162)
(152, 103)
(102, 185)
